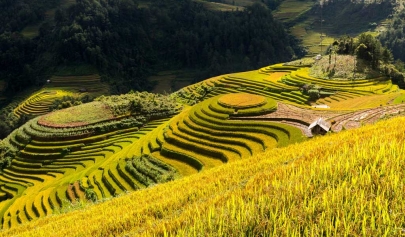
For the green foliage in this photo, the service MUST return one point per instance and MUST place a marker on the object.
(365, 47)
(352, 17)
(193, 96)
(9, 120)
(90, 194)
(394, 37)
(7, 153)
(96, 34)
(314, 94)
(69, 101)
(141, 103)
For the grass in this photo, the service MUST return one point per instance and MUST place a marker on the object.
(323, 186)
(400, 98)
(75, 116)
(343, 66)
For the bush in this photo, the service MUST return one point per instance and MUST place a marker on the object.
(7, 153)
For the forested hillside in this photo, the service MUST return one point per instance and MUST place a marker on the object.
(127, 42)
(394, 37)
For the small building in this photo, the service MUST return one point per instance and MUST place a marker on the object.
(319, 126)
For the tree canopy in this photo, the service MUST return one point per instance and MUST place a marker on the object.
(127, 42)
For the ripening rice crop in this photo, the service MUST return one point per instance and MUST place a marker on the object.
(39, 103)
(348, 184)
(241, 100)
(204, 136)
(81, 154)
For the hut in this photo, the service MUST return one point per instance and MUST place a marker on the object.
(319, 126)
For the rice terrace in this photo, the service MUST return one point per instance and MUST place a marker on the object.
(308, 147)
(117, 144)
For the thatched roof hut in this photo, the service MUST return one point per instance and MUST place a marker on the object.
(319, 126)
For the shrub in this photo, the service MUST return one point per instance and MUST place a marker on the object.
(7, 153)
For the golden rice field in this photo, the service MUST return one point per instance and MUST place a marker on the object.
(120, 144)
(39, 102)
(57, 88)
(241, 100)
(87, 83)
(347, 184)
(363, 102)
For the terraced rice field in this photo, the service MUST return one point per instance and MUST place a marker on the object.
(83, 157)
(50, 170)
(58, 87)
(314, 37)
(204, 137)
(283, 83)
(353, 87)
(345, 101)
(214, 6)
(87, 83)
(291, 9)
(38, 103)
(350, 178)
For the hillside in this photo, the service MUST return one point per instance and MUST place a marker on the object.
(343, 184)
(239, 153)
(127, 42)
(318, 26)
(118, 144)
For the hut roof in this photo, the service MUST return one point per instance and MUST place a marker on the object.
(322, 123)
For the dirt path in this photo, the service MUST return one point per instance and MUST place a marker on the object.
(301, 118)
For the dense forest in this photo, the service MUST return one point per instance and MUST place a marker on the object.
(352, 17)
(127, 42)
(394, 37)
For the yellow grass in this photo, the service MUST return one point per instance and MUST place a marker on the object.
(349, 184)
(241, 100)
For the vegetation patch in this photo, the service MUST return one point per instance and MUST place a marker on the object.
(241, 100)
(141, 103)
(342, 67)
(85, 114)
(400, 99)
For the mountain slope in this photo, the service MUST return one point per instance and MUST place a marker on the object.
(343, 184)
